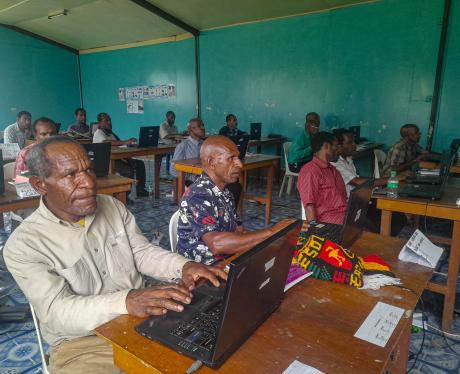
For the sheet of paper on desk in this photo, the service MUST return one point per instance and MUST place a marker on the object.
(420, 250)
(297, 367)
(379, 325)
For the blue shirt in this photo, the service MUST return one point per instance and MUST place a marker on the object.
(186, 149)
(204, 208)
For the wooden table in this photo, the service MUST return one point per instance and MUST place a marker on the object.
(315, 324)
(158, 152)
(256, 162)
(113, 185)
(277, 142)
(444, 208)
(455, 168)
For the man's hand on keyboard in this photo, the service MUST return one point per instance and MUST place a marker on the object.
(157, 300)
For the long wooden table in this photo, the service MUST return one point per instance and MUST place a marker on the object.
(158, 152)
(444, 208)
(113, 185)
(258, 143)
(255, 162)
(315, 324)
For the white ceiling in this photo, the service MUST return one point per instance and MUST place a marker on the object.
(100, 23)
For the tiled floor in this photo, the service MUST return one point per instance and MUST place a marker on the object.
(19, 351)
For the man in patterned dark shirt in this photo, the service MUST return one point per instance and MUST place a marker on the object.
(208, 227)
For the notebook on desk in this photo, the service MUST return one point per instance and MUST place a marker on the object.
(355, 218)
(219, 320)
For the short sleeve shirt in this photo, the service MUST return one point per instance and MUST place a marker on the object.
(400, 153)
(321, 185)
(346, 168)
(204, 208)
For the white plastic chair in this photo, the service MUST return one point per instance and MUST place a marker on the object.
(40, 341)
(8, 174)
(379, 159)
(290, 175)
(173, 231)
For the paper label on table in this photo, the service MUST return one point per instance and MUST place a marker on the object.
(380, 324)
(297, 367)
(10, 151)
(25, 190)
(420, 250)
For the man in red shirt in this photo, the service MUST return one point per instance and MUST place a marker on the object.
(320, 185)
(42, 128)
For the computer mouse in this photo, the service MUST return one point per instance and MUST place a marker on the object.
(458, 201)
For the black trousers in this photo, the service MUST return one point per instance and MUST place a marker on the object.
(129, 168)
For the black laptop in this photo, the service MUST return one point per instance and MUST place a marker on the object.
(447, 160)
(99, 154)
(426, 191)
(256, 131)
(241, 142)
(355, 218)
(219, 320)
(148, 137)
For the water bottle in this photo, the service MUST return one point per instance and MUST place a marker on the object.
(392, 185)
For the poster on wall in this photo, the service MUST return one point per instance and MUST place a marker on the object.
(135, 96)
(121, 94)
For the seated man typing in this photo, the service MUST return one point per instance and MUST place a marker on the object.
(208, 224)
(320, 185)
(79, 259)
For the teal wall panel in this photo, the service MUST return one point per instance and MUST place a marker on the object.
(38, 77)
(448, 125)
(104, 72)
(372, 64)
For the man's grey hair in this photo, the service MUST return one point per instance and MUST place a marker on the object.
(37, 159)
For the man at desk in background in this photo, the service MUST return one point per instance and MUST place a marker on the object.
(20, 131)
(231, 128)
(128, 168)
(209, 227)
(167, 131)
(42, 129)
(79, 259)
(300, 152)
(190, 147)
(80, 125)
(346, 166)
(320, 185)
(405, 153)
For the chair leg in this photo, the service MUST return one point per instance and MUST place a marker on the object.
(282, 186)
(289, 187)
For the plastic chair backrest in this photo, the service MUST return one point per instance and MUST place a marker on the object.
(379, 159)
(40, 341)
(286, 147)
(173, 231)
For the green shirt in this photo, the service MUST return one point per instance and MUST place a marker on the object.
(300, 149)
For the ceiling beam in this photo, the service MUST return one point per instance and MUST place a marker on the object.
(39, 37)
(166, 16)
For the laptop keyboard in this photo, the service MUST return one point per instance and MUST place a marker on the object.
(201, 330)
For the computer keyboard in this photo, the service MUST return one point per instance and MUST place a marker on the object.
(201, 329)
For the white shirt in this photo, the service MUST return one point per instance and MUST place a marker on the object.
(100, 137)
(165, 130)
(347, 170)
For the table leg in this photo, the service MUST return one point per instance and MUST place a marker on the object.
(268, 197)
(180, 185)
(385, 223)
(259, 148)
(157, 170)
(111, 166)
(452, 274)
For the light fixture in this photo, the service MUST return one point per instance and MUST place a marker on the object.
(57, 13)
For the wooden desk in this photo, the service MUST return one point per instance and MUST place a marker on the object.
(455, 168)
(158, 152)
(256, 162)
(444, 208)
(315, 324)
(277, 142)
(113, 185)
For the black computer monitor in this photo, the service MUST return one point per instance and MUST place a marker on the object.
(58, 127)
(356, 130)
(99, 154)
(149, 136)
(241, 142)
(256, 130)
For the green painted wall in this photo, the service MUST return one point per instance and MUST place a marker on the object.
(103, 73)
(449, 114)
(372, 64)
(37, 77)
